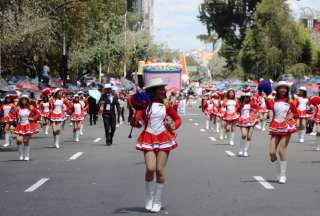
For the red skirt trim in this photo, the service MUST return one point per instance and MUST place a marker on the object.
(45, 114)
(164, 141)
(76, 117)
(247, 122)
(303, 114)
(263, 110)
(59, 117)
(282, 128)
(8, 119)
(26, 130)
(231, 117)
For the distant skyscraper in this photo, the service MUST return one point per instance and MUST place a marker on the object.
(144, 8)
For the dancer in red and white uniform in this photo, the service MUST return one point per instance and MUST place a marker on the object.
(220, 114)
(156, 140)
(8, 117)
(302, 103)
(215, 98)
(282, 126)
(231, 116)
(208, 111)
(263, 111)
(27, 116)
(85, 106)
(315, 103)
(44, 108)
(77, 116)
(58, 114)
(248, 110)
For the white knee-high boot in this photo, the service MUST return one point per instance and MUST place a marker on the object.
(81, 129)
(221, 136)
(207, 124)
(278, 170)
(301, 136)
(246, 149)
(240, 154)
(217, 126)
(6, 139)
(27, 153)
(318, 143)
(46, 130)
(149, 189)
(231, 141)
(283, 172)
(56, 141)
(20, 151)
(157, 204)
(77, 136)
(263, 125)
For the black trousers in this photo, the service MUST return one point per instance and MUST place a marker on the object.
(109, 122)
(131, 113)
(93, 118)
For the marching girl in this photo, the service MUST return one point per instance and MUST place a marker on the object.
(248, 110)
(44, 108)
(156, 140)
(282, 126)
(84, 103)
(27, 116)
(216, 105)
(57, 114)
(8, 117)
(231, 116)
(208, 111)
(77, 116)
(315, 102)
(220, 114)
(302, 103)
(263, 111)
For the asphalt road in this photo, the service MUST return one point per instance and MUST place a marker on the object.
(202, 179)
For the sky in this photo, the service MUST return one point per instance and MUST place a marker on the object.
(177, 25)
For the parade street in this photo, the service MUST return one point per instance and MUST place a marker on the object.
(204, 176)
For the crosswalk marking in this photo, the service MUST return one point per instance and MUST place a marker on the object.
(196, 124)
(263, 182)
(202, 130)
(76, 155)
(213, 139)
(37, 185)
(97, 140)
(230, 153)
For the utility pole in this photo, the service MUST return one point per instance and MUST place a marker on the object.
(125, 46)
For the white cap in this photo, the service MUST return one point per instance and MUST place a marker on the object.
(107, 86)
(155, 83)
(282, 83)
(56, 90)
(25, 96)
(303, 88)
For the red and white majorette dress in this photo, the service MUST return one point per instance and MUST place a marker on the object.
(58, 110)
(77, 112)
(84, 105)
(26, 121)
(248, 115)
(8, 113)
(44, 109)
(231, 115)
(208, 108)
(282, 123)
(303, 105)
(262, 104)
(216, 106)
(158, 134)
(315, 101)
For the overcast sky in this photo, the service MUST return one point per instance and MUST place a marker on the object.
(177, 25)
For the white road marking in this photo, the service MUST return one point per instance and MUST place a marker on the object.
(230, 153)
(76, 155)
(213, 139)
(196, 124)
(263, 182)
(190, 119)
(37, 185)
(202, 130)
(97, 140)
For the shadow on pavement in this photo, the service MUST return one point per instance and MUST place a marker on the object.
(130, 210)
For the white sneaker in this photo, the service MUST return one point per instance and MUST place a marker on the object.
(263, 129)
(231, 142)
(301, 140)
(313, 134)
(156, 208)
(317, 149)
(26, 158)
(221, 137)
(21, 158)
(245, 154)
(282, 179)
(240, 153)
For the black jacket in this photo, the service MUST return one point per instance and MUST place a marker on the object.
(110, 107)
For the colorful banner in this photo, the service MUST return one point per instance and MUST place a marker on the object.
(170, 73)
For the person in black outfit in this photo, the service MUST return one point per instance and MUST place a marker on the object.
(93, 110)
(108, 105)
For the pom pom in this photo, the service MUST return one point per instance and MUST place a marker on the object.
(265, 86)
(140, 100)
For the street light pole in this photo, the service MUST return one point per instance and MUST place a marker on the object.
(125, 46)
